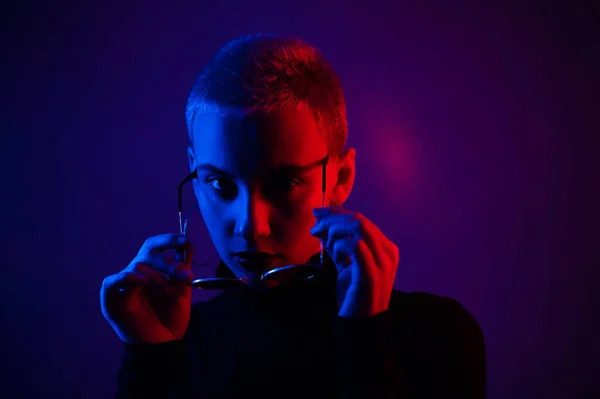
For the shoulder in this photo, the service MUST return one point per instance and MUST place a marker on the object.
(426, 304)
(442, 342)
(434, 313)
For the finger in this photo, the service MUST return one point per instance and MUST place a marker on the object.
(345, 223)
(185, 254)
(348, 251)
(159, 264)
(362, 254)
(147, 271)
(341, 251)
(163, 242)
(372, 232)
(388, 246)
(158, 283)
(341, 231)
(182, 271)
(320, 212)
(374, 241)
(324, 223)
(383, 249)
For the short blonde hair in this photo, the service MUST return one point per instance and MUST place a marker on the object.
(265, 72)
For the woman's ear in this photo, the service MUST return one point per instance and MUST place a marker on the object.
(345, 172)
(192, 165)
(191, 159)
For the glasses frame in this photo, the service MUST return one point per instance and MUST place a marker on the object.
(222, 283)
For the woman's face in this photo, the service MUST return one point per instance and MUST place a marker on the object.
(259, 178)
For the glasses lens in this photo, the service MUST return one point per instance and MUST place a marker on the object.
(291, 273)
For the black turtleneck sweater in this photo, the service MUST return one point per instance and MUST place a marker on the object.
(289, 342)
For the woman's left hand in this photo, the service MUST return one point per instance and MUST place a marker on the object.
(365, 259)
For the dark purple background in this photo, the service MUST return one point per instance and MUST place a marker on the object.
(474, 129)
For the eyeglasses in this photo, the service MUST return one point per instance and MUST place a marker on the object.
(296, 272)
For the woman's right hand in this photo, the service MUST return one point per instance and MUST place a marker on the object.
(150, 300)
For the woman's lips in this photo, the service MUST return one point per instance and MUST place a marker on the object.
(257, 264)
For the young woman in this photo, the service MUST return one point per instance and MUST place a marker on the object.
(270, 171)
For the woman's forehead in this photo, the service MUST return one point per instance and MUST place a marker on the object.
(259, 140)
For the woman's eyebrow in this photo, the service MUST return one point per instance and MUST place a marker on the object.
(279, 169)
(213, 169)
(292, 168)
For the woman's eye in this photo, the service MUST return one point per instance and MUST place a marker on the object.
(291, 183)
(216, 184)
(221, 185)
(286, 184)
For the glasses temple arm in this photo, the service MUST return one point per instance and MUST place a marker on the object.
(188, 178)
(323, 190)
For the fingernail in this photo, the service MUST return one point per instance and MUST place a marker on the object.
(317, 232)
